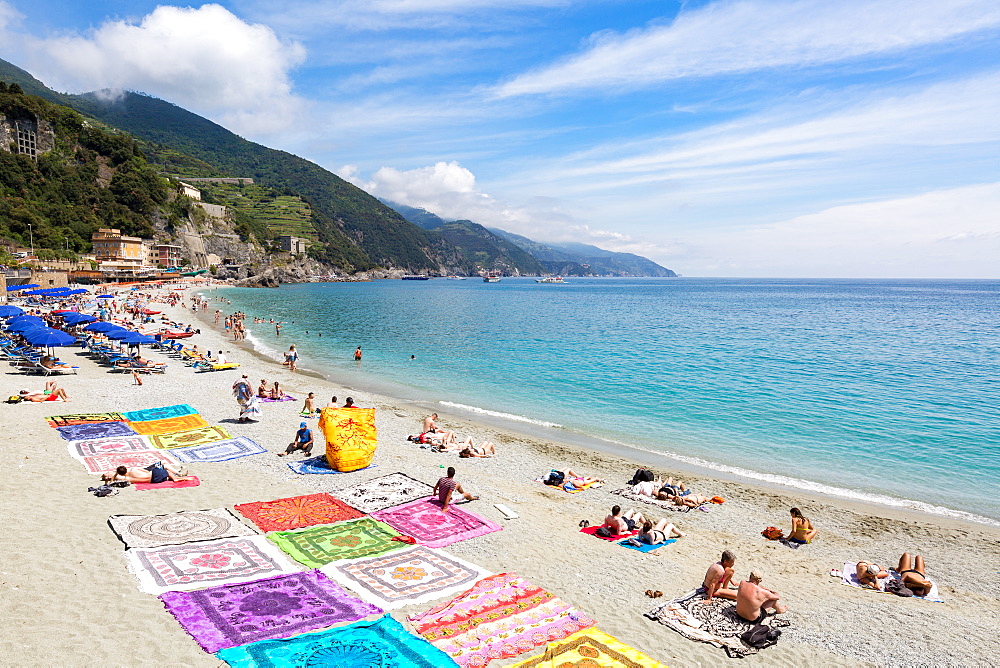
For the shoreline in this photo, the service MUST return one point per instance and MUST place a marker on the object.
(860, 500)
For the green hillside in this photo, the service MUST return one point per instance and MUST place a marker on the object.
(268, 213)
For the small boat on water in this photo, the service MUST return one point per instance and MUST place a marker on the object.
(416, 277)
(550, 279)
(491, 278)
(456, 278)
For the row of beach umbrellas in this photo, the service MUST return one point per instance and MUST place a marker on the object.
(37, 333)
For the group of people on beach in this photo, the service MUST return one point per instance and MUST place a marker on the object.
(445, 440)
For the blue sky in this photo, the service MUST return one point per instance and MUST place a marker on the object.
(728, 138)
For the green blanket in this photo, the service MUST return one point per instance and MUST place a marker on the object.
(319, 545)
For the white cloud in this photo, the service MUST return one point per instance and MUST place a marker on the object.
(747, 35)
(8, 16)
(205, 59)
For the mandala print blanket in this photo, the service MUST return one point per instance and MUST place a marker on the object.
(207, 563)
(168, 425)
(159, 413)
(83, 418)
(383, 492)
(590, 648)
(106, 446)
(297, 512)
(383, 643)
(500, 617)
(220, 451)
(83, 432)
(183, 439)
(278, 607)
(319, 545)
(176, 528)
(414, 575)
(109, 462)
(424, 520)
(716, 623)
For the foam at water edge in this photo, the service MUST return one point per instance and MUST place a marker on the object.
(809, 486)
(264, 349)
(506, 416)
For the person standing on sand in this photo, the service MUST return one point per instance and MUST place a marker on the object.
(716, 582)
(357, 354)
(447, 486)
(246, 399)
(291, 357)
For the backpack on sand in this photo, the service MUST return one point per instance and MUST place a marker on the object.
(761, 636)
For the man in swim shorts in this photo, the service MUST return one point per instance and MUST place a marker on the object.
(154, 473)
(753, 601)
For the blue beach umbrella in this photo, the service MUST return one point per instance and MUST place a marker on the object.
(119, 334)
(22, 319)
(23, 327)
(77, 318)
(78, 291)
(8, 311)
(135, 339)
(49, 338)
(101, 327)
(105, 296)
(28, 286)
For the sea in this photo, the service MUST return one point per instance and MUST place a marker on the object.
(880, 391)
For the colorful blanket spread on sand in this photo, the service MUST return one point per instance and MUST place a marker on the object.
(112, 460)
(192, 481)
(317, 465)
(592, 531)
(105, 446)
(642, 498)
(591, 648)
(83, 418)
(161, 413)
(500, 617)
(849, 576)
(383, 643)
(319, 545)
(716, 623)
(219, 451)
(168, 425)
(183, 439)
(424, 520)
(278, 607)
(206, 563)
(414, 575)
(176, 528)
(83, 432)
(297, 512)
(383, 492)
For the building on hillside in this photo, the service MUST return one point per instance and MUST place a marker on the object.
(111, 244)
(167, 255)
(293, 245)
(188, 190)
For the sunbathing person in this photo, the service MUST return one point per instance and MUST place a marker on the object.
(753, 601)
(303, 441)
(53, 363)
(869, 575)
(309, 405)
(51, 393)
(802, 529)
(262, 390)
(654, 534)
(484, 449)
(440, 442)
(718, 577)
(912, 574)
(154, 473)
(620, 524)
(276, 393)
(691, 500)
(558, 477)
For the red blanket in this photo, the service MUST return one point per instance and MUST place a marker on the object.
(168, 484)
(591, 531)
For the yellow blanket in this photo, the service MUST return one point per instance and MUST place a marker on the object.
(351, 437)
(168, 425)
(590, 648)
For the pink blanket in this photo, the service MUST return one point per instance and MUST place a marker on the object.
(424, 520)
(168, 484)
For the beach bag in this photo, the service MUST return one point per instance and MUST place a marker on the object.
(894, 586)
(772, 533)
(603, 532)
(555, 478)
(641, 475)
(761, 636)
(15, 399)
(103, 490)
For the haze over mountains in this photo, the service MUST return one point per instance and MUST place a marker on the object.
(355, 231)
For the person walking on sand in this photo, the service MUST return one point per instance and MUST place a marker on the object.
(357, 354)
(291, 357)
(753, 601)
(246, 399)
(447, 486)
(718, 577)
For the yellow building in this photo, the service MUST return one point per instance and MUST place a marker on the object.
(111, 244)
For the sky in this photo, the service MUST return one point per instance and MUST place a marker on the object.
(747, 138)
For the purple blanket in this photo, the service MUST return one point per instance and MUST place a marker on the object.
(83, 432)
(278, 607)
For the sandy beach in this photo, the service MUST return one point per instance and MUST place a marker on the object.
(70, 601)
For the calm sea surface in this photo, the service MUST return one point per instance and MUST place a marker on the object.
(878, 390)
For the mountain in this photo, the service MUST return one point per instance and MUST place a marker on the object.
(576, 259)
(356, 231)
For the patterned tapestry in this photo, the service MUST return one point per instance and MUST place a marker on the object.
(168, 425)
(159, 413)
(424, 520)
(109, 462)
(83, 418)
(183, 439)
(83, 432)
(383, 492)
(351, 437)
(590, 648)
(219, 451)
(175, 528)
(319, 545)
(105, 446)
(297, 512)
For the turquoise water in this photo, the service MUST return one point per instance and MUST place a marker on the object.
(879, 390)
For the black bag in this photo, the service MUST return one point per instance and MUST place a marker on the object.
(603, 532)
(103, 490)
(641, 475)
(897, 587)
(760, 636)
(555, 478)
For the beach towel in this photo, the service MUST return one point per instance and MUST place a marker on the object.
(590, 648)
(109, 462)
(351, 437)
(182, 439)
(277, 607)
(317, 465)
(646, 547)
(169, 484)
(319, 545)
(849, 577)
(161, 413)
(642, 498)
(383, 492)
(573, 485)
(104, 446)
(424, 520)
(383, 643)
(219, 451)
(175, 528)
(297, 512)
(169, 425)
(716, 623)
(206, 563)
(84, 432)
(407, 577)
(499, 617)
(592, 531)
(269, 400)
(83, 418)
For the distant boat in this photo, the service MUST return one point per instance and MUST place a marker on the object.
(550, 279)
(416, 277)
(456, 278)
(491, 278)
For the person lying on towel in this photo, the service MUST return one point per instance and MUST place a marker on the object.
(154, 473)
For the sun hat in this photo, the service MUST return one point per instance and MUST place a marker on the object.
(873, 569)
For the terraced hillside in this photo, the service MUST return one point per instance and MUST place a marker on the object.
(272, 214)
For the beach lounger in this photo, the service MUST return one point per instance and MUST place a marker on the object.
(208, 366)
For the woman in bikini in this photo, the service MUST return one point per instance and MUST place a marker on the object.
(654, 534)
(276, 392)
(911, 573)
(802, 529)
(869, 575)
(262, 390)
(484, 449)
